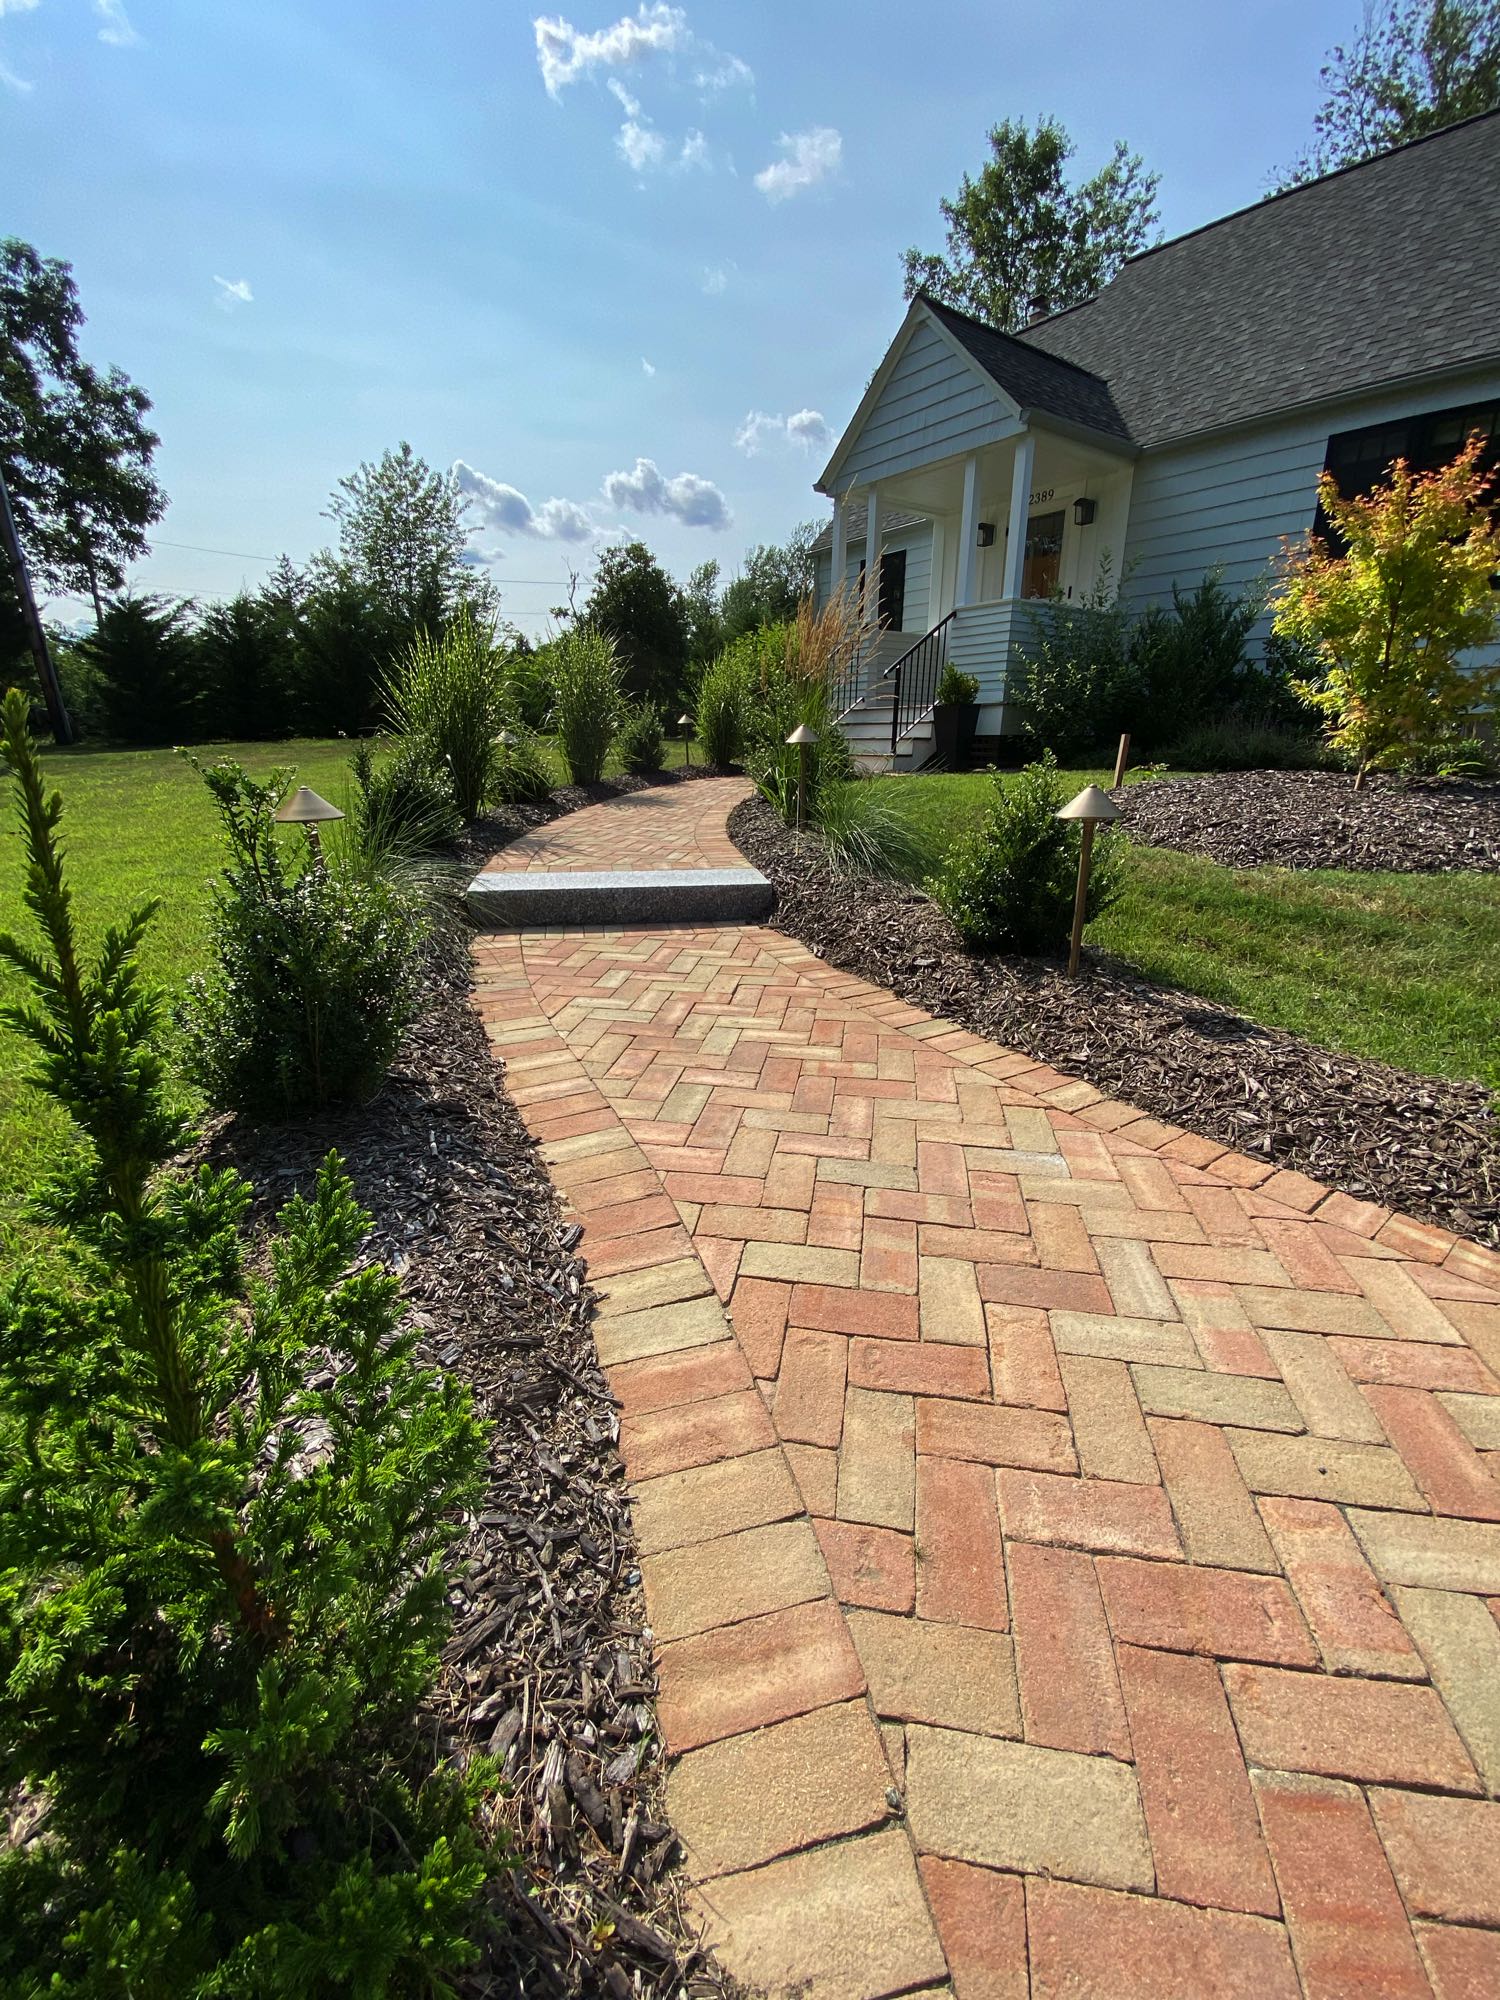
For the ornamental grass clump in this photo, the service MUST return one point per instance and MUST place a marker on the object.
(588, 701)
(1009, 885)
(315, 969)
(448, 700)
(225, 1504)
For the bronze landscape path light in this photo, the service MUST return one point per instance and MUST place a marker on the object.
(1094, 808)
(802, 736)
(685, 724)
(305, 808)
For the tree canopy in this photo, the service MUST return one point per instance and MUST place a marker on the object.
(1414, 66)
(775, 579)
(75, 447)
(644, 612)
(402, 538)
(1021, 240)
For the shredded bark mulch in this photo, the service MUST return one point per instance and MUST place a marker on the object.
(1316, 819)
(549, 1668)
(1425, 1145)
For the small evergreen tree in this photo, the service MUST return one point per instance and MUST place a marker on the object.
(1389, 618)
(315, 972)
(145, 662)
(221, 1587)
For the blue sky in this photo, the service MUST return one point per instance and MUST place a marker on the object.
(572, 249)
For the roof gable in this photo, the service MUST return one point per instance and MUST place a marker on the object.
(885, 385)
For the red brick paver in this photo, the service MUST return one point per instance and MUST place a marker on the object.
(1133, 1505)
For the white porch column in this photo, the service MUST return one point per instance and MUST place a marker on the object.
(872, 554)
(968, 534)
(840, 560)
(1020, 507)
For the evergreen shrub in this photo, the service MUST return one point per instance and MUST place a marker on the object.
(1009, 884)
(225, 1504)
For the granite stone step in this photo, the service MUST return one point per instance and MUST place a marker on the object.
(523, 899)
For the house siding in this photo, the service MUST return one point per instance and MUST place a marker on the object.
(934, 405)
(917, 543)
(1227, 503)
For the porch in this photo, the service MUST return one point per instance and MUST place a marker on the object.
(1038, 516)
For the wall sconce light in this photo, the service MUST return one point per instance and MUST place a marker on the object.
(1083, 513)
(986, 534)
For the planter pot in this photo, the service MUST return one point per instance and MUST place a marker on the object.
(953, 729)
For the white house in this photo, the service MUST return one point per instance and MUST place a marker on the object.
(1176, 423)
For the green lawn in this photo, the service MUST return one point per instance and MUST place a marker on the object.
(137, 823)
(1400, 968)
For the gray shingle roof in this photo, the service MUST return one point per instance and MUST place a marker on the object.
(856, 515)
(1381, 272)
(1041, 382)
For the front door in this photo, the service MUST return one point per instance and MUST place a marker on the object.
(893, 590)
(1043, 564)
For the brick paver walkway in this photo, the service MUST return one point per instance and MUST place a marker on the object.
(1075, 1563)
(677, 826)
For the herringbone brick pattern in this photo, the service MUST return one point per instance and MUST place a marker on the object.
(679, 826)
(1078, 1571)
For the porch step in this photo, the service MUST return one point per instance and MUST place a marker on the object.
(522, 899)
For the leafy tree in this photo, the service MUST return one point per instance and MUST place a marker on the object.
(144, 659)
(638, 605)
(1413, 67)
(246, 655)
(402, 537)
(1021, 240)
(75, 447)
(1389, 618)
(705, 623)
(776, 578)
(225, 1504)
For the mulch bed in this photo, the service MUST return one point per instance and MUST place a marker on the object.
(1316, 819)
(1424, 1145)
(549, 1668)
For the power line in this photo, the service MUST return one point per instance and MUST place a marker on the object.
(244, 555)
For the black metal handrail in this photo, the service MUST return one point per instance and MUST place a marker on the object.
(914, 678)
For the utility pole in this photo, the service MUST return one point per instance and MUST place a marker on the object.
(57, 711)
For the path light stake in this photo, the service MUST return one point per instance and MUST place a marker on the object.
(1094, 808)
(802, 736)
(1121, 760)
(685, 724)
(305, 808)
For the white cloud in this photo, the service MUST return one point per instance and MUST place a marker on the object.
(723, 73)
(11, 81)
(716, 279)
(807, 428)
(694, 151)
(117, 29)
(647, 367)
(640, 147)
(232, 292)
(506, 511)
(631, 106)
(806, 158)
(694, 501)
(565, 54)
(18, 7)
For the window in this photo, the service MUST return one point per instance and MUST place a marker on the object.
(1359, 460)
